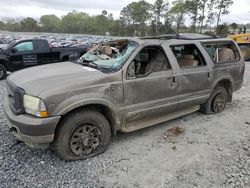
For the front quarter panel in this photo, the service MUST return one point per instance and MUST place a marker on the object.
(107, 92)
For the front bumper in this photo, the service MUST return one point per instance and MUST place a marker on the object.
(30, 129)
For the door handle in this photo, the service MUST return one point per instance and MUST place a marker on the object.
(172, 79)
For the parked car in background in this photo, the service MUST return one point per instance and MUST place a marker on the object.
(32, 52)
(122, 85)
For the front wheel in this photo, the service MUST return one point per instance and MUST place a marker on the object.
(216, 102)
(82, 135)
(3, 72)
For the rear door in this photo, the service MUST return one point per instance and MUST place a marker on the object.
(23, 55)
(195, 76)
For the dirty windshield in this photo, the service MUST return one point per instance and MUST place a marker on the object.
(110, 55)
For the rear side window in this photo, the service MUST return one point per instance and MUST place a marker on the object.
(222, 52)
(188, 55)
(42, 45)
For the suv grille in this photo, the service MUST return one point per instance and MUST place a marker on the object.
(15, 96)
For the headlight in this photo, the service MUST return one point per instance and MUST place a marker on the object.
(34, 106)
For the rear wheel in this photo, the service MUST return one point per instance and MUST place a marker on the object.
(82, 135)
(216, 102)
(3, 72)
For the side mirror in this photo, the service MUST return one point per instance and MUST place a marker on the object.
(131, 71)
(13, 50)
(73, 57)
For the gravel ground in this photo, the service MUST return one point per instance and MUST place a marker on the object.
(192, 151)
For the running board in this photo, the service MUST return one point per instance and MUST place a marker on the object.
(147, 123)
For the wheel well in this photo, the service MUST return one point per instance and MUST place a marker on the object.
(227, 84)
(104, 110)
(2, 63)
(65, 58)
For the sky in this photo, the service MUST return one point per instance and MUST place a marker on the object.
(239, 11)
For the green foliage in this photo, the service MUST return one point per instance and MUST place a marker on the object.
(28, 24)
(234, 26)
(193, 7)
(178, 11)
(138, 18)
(50, 23)
(223, 8)
(222, 30)
(135, 16)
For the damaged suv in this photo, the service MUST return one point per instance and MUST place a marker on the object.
(123, 85)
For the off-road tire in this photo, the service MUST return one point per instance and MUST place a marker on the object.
(210, 106)
(3, 72)
(245, 50)
(69, 127)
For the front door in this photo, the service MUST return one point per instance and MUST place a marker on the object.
(150, 86)
(22, 55)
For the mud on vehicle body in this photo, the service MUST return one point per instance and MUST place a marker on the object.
(123, 85)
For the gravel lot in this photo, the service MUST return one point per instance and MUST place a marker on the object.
(205, 151)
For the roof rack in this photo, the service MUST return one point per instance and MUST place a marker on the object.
(182, 36)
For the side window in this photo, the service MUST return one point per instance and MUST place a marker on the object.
(188, 55)
(42, 45)
(149, 60)
(24, 46)
(222, 52)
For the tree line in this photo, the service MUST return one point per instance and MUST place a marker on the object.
(136, 19)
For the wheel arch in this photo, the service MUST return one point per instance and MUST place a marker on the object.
(227, 83)
(65, 58)
(109, 113)
(3, 62)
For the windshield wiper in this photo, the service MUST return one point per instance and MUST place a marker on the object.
(90, 64)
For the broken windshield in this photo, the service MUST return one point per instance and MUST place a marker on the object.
(110, 55)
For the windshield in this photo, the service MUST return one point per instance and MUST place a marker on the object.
(110, 55)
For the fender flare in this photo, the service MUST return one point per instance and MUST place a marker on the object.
(117, 116)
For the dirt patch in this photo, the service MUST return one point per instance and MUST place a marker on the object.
(172, 133)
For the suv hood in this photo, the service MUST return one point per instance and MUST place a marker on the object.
(57, 77)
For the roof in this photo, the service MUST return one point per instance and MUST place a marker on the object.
(182, 36)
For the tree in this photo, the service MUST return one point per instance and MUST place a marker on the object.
(75, 22)
(203, 7)
(178, 11)
(29, 24)
(50, 23)
(102, 23)
(222, 7)
(159, 10)
(234, 26)
(2, 25)
(137, 14)
(193, 10)
(211, 16)
(222, 30)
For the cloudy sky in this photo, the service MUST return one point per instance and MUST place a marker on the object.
(239, 12)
